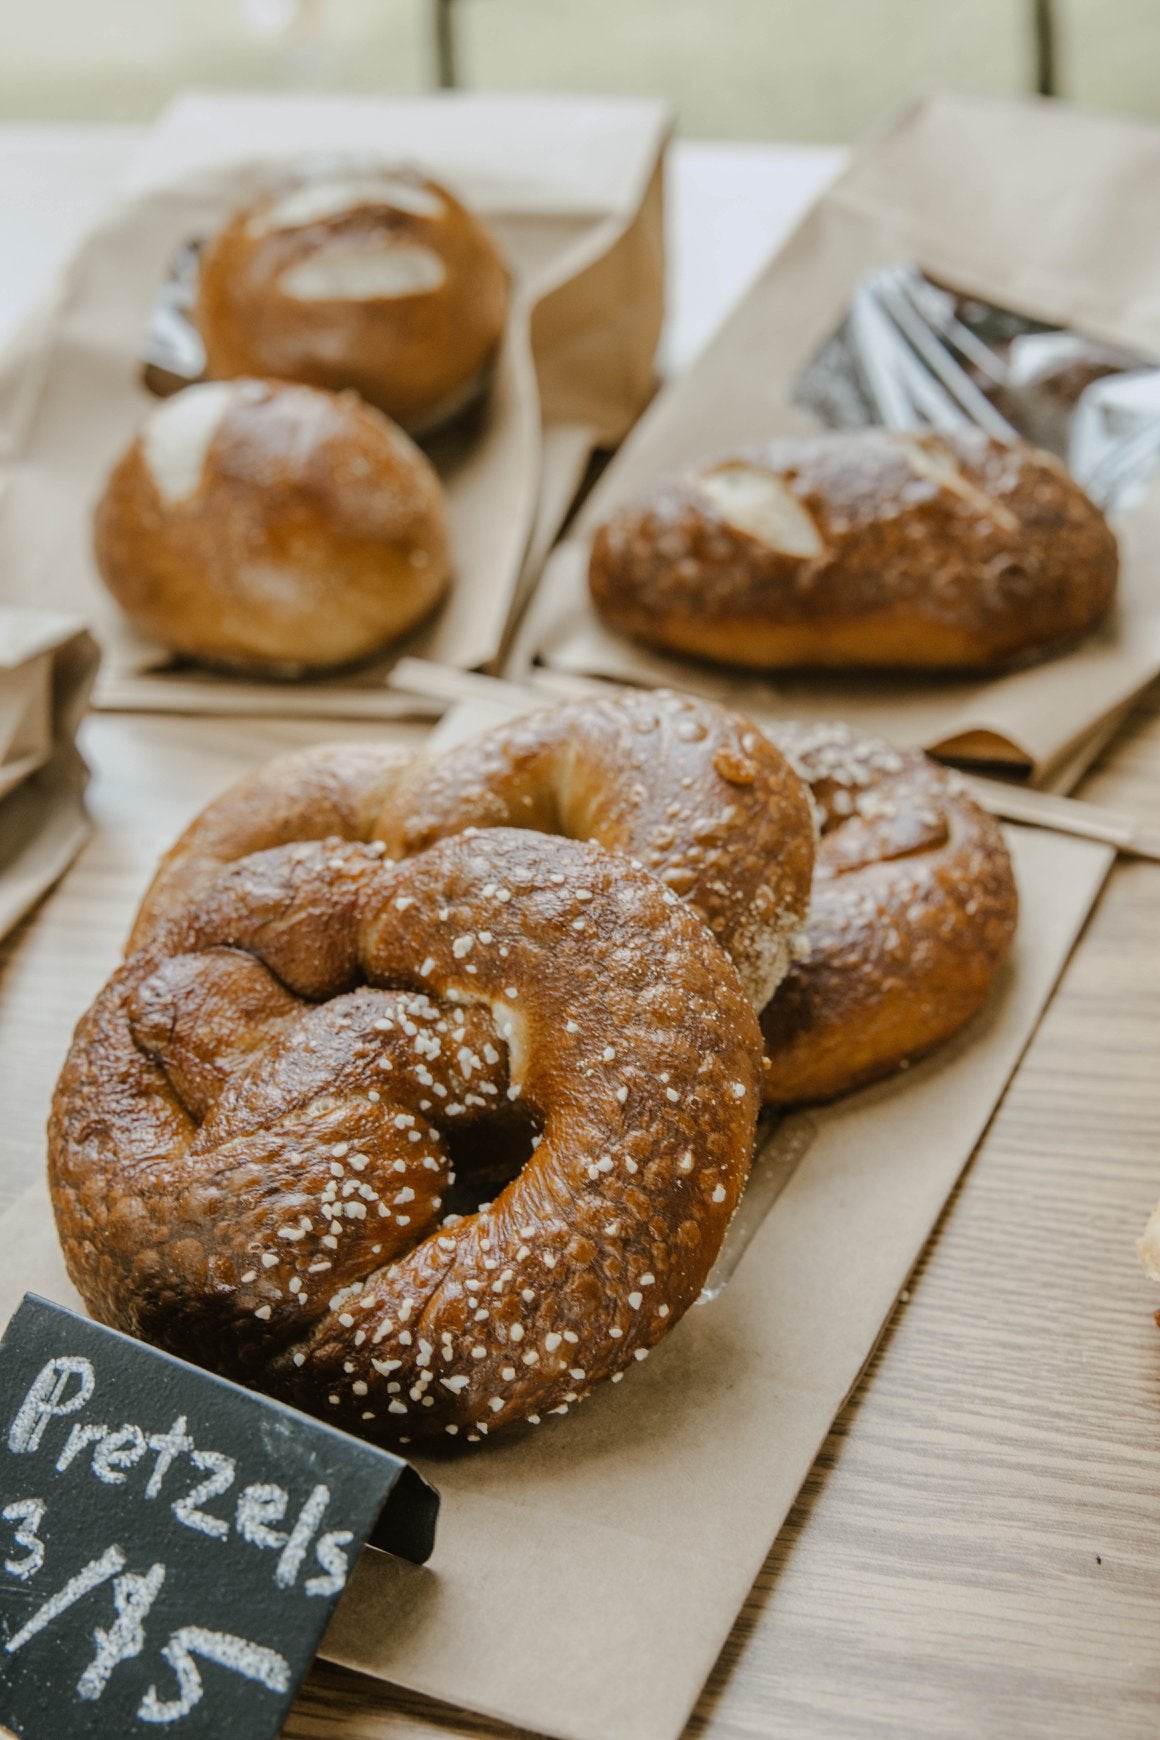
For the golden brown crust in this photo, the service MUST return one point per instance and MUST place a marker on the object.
(913, 901)
(248, 1152)
(311, 534)
(912, 917)
(332, 790)
(688, 789)
(865, 548)
(417, 355)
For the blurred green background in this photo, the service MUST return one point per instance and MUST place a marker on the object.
(784, 69)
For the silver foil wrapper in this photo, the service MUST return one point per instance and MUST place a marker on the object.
(912, 353)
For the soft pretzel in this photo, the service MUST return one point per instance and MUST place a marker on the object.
(691, 790)
(913, 903)
(864, 548)
(912, 916)
(332, 789)
(249, 1153)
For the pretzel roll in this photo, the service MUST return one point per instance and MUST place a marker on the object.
(912, 917)
(357, 275)
(865, 548)
(248, 1148)
(273, 529)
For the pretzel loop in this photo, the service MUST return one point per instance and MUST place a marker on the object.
(252, 1141)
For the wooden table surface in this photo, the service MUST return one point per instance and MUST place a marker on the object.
(977, 1550)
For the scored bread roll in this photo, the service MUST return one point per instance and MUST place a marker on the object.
(357, 276)
(865, 548)
(272, 528)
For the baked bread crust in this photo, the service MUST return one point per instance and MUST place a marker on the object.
(331, 790)
(272, 529)
(688, 789)
(248, 1149)
(369, 277)
(912, 916)
(860, 549)
(913, 903)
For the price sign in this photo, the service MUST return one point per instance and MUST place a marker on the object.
(171, 1545)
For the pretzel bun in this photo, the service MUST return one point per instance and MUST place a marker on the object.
(687, 789)
(248, 1149)
(911, 921)
(273, 529)
(357, 275)
(865, 549)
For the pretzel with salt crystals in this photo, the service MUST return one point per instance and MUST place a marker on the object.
(913, 904)
(332, 790)
(248, 1145)
(911, 921)
(693, 791)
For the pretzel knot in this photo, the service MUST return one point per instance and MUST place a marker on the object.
(252, 1141)
(913, 913)
(688, 789)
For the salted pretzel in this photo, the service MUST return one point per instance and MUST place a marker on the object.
(913, 903)
(692, 791)
(911, 921)
(332, 790)
(251, 1143)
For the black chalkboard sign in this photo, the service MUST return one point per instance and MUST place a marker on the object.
(171, 1545)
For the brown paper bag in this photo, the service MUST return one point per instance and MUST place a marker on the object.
(572, 189)
(47, 664)
(587, 1573)
(1034, 207)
